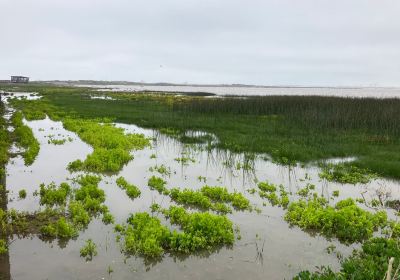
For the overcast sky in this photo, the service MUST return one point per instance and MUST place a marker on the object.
(282, 42)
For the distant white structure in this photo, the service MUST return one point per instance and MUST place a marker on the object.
(19, 79)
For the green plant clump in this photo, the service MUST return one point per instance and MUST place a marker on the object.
(346, 221)
(90, 195)
(221, 194)
(346, 174)
(89, 250)
(131, 190)
(60, 229)
(25, 138)
(52, 195)
(3, 246)
(57, 141)
(22, 194)
(158, 184)
(371, 262)
(78, 214)
(145, 235)
(201, 231)
(111, 145)
(268, 191)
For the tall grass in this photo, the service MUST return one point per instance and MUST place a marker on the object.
(380, 116)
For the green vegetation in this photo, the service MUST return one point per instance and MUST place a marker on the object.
(289, 128)
(268, 191)
(108, 218)
(221, 194)
(346, 174)
(90, 195)
(57, 141)
(78, 214)
(210, 198)
(162, 169)
(4, 141)
(158, 184)
(111, 145)
(76, 207)
(25, 138)
(200, 230)
(346, 221)
(22, 194)
(53, 195)
(145, 235)
(131, 190)
(3, 246)
(61, 229)
(89, 250)
(371, 262)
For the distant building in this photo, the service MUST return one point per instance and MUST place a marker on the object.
(19, 79)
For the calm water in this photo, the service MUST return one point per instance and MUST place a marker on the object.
(286, 251)
(248, 91)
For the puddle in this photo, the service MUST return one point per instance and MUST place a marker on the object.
(286, 251)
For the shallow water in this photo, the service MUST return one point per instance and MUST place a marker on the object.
(379, 92)
(286, 251)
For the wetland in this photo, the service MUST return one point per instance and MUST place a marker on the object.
(152, 185)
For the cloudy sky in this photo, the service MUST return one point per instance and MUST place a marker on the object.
(282, 42)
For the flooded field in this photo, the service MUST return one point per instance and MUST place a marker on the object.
(357, 92)
(265, 245)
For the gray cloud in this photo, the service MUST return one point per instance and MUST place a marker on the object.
(282, 42)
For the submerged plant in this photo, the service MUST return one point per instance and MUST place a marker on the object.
(162, 169)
